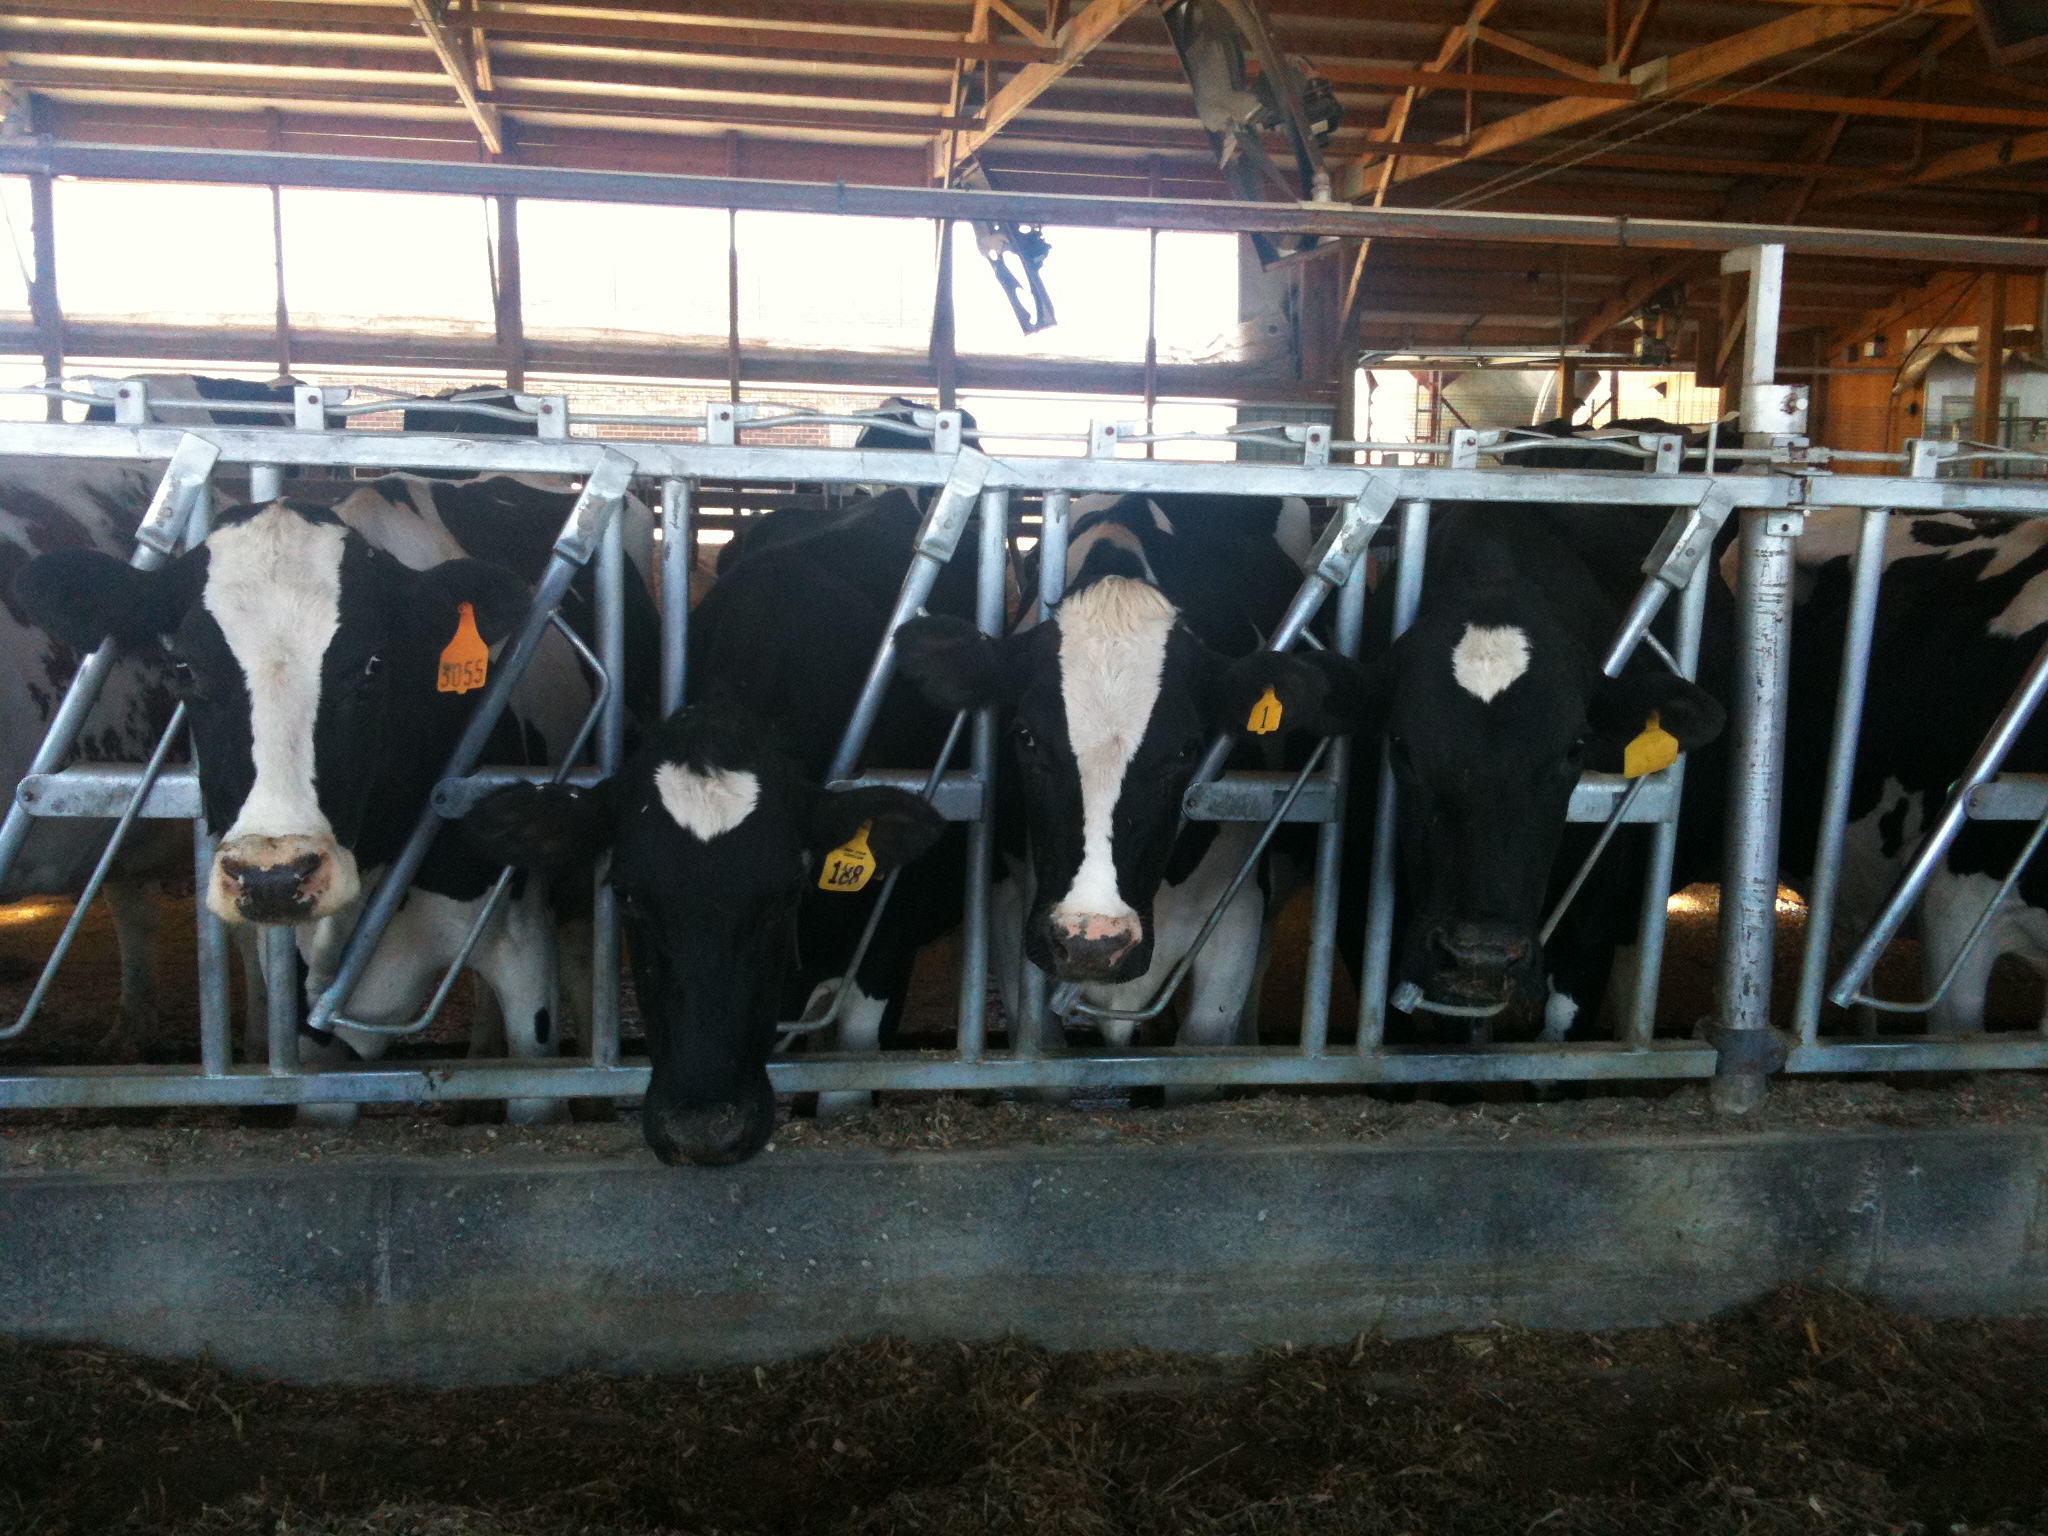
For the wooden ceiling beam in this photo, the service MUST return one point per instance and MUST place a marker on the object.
(1078, 37)
(1680, 77)
(556, 26)
(461, 71)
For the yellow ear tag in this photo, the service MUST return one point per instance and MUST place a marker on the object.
(1265, 714)
(1655, 749)
(467, 659)
(851, 865)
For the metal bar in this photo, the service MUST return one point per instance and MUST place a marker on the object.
(603, 490)
(678, 555)
(937, 538)
(1578, 880)
(1052, 551)
(216, 1054)
(266, 483)
(32, 157)
(1329, 868)
(98, 877)
(1376, 965)
(981, 833)
(611, 752)
(1650, 932)
(1865, 582)
(169, 510)
(278, 948)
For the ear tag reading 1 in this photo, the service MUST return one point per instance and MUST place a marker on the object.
(1265, 714)
(467, 660)
(1655, 749)
(851, 865)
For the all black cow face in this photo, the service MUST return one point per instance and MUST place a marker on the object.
(295, 646)
(1111, 706)
(715, 837)
(1495, 706)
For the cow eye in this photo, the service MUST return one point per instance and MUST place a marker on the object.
(372, 667)
(1026, 742)
(181, 669)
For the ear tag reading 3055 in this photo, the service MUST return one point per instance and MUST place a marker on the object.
(467, 660)
(851, 865)
(1655, 749)
(1265, 714)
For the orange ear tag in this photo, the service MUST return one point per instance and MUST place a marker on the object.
(1655, 749)
(851, 865)
(467, 660)
(1265, 718)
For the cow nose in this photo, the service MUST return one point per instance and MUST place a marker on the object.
(273, 893)
(1090, 947)
(1480, 946)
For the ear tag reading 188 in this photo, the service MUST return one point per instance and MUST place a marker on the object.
(1655, 749)
(466, 660)
(851, 865)
(1265, 714)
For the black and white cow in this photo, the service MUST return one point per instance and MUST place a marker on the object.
(1110, 707)
(49, 505)
(195, 399)
(1494, 703)
(309, 659)
(1962, 611)
(716, 830)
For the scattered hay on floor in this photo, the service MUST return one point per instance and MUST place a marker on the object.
(1812, 1412)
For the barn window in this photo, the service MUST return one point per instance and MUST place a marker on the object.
(189, 255)
(622, 269)
(382, 261)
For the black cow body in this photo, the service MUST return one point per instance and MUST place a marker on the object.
(718, 828)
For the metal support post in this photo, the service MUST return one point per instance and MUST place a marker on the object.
(279, 951)
(981, 832)
(603, 490)
(1642, 1020)
(1033, 985)
(1322, 934)
(1770, 410)
(216, 1054)
(611, 751)
(266, 484)
(937, 537)
(1376, 967)
(1865, 582)
(170, 509)
(678, 555)
(1749, 1050)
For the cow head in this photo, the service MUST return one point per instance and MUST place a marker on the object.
(715, 836)
(295, 646)
(1110, 708)
(1494, 705)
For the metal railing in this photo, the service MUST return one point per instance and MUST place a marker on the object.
(1774, 483)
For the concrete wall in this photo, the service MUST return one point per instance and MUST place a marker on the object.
(446, 1270)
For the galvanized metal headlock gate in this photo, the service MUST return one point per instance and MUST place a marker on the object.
(1785, 478)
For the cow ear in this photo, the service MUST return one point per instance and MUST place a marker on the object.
(953, 664)
(901, 826)
(551, 828)
(83, 596)
(1638, 705)
(1318, 692)
(497, 598)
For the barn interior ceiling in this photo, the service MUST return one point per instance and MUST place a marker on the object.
(1836, 114)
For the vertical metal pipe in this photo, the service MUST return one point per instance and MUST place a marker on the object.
(988, 614)
(279, 948)
(47, 312)
(215, 1052)
(1032, 983)
(1377, 964)
(266, 484)
(1052, 551)
(511, 316)
(1642, 1019)
(1749, 877)
(1834, 808)
(732, 296)
(611, 751)
(1322, 926)
(678, 551)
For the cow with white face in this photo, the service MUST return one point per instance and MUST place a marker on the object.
(310, 663)
(1110, 708)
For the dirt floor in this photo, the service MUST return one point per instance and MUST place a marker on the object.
(1811, 1412)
